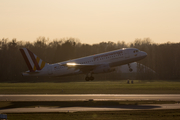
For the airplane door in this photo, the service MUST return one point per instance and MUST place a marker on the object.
(50, 72)
(126, 53)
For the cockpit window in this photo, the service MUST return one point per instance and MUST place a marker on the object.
(136, 51)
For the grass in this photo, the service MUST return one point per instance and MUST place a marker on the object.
(103, 115)
(94, 87)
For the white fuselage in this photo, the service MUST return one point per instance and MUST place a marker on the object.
(110, 60)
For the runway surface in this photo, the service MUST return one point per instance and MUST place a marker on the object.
(77, 109)
(95, 97)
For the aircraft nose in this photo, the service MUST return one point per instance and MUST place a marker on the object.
(144, 54)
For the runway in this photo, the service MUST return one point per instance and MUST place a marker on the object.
(94, 97)
(91, 97)
(78, 109)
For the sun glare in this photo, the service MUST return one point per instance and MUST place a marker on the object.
(72, 64)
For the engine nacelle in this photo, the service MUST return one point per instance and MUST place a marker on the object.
(103, 69)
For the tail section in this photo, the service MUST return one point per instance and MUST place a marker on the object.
(33, 62)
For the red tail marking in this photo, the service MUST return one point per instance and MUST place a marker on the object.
(34, 60)
(26, 59)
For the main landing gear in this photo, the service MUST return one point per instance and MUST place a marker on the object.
(130, 69)
(91, 78)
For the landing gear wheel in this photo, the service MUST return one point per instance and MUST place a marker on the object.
(91, 78)
(87, 78)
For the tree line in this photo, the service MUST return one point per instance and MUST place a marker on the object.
(162, 58)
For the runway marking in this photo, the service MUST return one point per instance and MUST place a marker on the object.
(178, 95)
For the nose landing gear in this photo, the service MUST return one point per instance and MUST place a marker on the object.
(130, 69)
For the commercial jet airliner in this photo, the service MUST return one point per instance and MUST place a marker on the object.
(94, 64)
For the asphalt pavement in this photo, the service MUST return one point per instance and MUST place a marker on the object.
(94, 97)
(105, 108)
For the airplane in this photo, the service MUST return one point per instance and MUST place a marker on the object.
(89, 65)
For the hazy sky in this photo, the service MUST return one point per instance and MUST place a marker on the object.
(91, 21)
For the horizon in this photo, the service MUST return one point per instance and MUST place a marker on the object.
(47, 41)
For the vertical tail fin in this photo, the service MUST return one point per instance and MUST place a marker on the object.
(33, 62)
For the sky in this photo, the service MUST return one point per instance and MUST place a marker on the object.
(91, 21)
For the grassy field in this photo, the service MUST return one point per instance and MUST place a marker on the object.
(111, 115)
(94, 87)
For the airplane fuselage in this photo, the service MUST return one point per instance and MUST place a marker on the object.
(94, 64)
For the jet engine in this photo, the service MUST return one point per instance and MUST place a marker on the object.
(103, 69)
